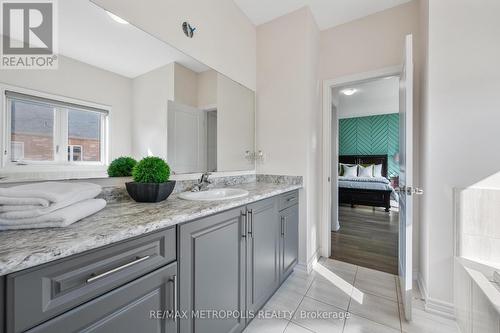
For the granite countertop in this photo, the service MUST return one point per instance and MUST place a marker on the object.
(23, 249)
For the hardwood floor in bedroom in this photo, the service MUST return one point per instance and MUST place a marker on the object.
(367, 238)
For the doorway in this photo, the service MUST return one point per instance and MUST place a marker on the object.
(365, 147)
(330, 199)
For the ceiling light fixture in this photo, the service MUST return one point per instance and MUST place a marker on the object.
(349, 92)
(116, 18)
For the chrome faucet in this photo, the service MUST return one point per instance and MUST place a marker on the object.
(203, 183)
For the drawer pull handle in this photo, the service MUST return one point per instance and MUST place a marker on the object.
(114, 270)
(176, 300)
(282, 231)
(250, 219)
(245, 222)
(291, 199)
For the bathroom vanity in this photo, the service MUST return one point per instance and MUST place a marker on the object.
(181, 256)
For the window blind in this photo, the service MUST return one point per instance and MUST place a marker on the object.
(29, 98)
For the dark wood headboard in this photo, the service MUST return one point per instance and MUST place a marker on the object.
(366, 159)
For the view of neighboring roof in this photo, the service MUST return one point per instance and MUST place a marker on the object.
(37, 118)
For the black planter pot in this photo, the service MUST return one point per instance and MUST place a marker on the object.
(150, 192)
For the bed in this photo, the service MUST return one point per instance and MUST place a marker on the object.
(374, 192)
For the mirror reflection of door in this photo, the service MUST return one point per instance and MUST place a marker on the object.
(187, 138)
(212, 140)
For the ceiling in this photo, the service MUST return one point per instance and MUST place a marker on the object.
(88, 34)
(328, 13)
(374, 97)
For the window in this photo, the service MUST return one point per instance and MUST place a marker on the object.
(44, 131)
(75, 153)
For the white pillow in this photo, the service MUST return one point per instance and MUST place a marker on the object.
(365, 171)
(350, 171)
(377, 171)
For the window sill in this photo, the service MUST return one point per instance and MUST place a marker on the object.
(51, 172)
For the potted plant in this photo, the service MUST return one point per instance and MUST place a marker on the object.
(121, 167)
(151, 180)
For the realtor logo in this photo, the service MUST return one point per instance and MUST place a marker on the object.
(28, 34)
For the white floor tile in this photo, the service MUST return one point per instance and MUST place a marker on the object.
(298, 282)
(338, 265)
(383, 287)
(378, 309)
(266, 326)
(285, 299)
(425, 322)
(364, 273)
(373, 306)
(325, 272)
(319, 317)
(336, 294)
(357, 324)
(293, 328)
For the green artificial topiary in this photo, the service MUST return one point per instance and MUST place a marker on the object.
(121, 167)
(151, 170)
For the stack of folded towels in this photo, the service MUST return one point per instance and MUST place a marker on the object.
(48, 204)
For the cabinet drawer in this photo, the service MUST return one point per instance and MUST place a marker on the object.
(288, 199)
(131, 308)
(38, 294)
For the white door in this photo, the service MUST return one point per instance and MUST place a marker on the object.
(187, 138)
(406, 189)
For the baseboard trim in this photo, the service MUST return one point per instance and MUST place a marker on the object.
(440, 308)
(312, 261)
(443, 309)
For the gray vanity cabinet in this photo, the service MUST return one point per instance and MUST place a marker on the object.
(130, 308)
(235, 261)
(263, 242)
(212, 271)
(289, 245)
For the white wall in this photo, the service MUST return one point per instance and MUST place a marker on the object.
(185, 86)
(370, 43)
(373, 42)
(235, 125)
(288, 112)
(207, 89)
(151, 92)
(75, 79)
(461, 123)
(224, 37)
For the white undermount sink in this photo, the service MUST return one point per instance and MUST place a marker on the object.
(214, 194)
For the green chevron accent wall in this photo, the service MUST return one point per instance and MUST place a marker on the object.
(373, 135)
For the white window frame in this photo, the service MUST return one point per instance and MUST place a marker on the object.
(60, 135)
(71, 151)
(20, 143)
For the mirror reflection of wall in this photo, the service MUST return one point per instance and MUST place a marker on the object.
(115, 93)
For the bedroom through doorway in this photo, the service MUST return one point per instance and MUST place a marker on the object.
(366, 147)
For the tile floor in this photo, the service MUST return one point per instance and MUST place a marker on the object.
(335, 289)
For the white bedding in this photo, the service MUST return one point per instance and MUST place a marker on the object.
(368, 183)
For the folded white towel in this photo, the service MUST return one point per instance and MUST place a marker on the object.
(59, 218)
(39, 202)
(24, 197)
(26, 211)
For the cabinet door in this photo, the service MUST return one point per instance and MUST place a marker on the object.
(212, 272)
(289, 240)
(135, 307)
(263, 245)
